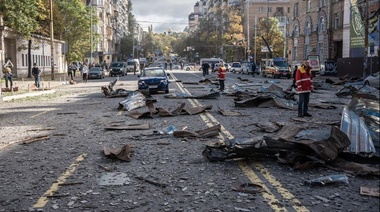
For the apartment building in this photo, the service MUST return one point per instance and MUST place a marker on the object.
(111, 28)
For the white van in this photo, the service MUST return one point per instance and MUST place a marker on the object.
(131, 64)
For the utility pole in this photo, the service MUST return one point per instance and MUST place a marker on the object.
(51, 40)
(366, 38)
(90, 34)
(248, 36)
(254, 46)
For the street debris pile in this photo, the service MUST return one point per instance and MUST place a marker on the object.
(303, 148)
(109, 91)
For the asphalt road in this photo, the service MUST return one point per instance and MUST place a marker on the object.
(64, 171)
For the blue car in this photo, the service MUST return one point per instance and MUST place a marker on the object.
(155, 79)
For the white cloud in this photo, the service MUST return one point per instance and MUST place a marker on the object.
(163, 14)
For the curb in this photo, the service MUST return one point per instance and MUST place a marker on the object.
(38, 93)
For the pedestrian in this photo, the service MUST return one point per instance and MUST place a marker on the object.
(85, 72)
(166, 65)
(212, 67)
(304, 83)
(253, 69)
(170, 65)
(7, 71)
(36, 72)
(205, 67)
(221, 76)
(70, 71)
(134, 68)
(75, 67)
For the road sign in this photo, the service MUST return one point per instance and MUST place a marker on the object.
(265, 49)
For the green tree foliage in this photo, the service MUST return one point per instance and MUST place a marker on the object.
(76, 28)
(268, 28)
(21, 16)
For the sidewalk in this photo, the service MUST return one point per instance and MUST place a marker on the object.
(26, 88)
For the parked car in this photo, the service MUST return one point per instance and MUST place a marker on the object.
(96, 73)
(236, 67)
(373, 80)
(118, 68)
(246, 68)
(154, 79)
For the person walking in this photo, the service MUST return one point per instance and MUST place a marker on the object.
(253, 69)
(36, 72)
(134, 68)
(70, 71)
(7, 71)
(212, 67)
(85, 72)
(221, 76)
(304, 82)
(205, 67)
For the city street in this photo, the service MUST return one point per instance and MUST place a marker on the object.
(65, 167)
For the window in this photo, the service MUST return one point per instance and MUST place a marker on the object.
(336, 21)
(269, 9)
(308, 5)
(260, 9)
(307, 27)
(321, 24)
(320, 51)
(296, 10)
(288, 9)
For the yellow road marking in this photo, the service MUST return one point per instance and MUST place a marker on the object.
(283, 191)
(43, 200)
(272, 201)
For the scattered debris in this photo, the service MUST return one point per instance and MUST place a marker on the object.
(70, 183)
(206, 133)
(34, 139)
(129, 127)
(110, 93)
(122, 153)
(366, 191)
(114, 178)
(163, 185)
(360, 121)
(105, 168)
(228, 112)
(250, 188)
(331, 179)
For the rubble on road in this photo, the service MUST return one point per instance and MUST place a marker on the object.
(121, 153)
(109, 91)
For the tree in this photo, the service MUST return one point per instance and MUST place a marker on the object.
(23, 17)
(76, 28)
(268, 29)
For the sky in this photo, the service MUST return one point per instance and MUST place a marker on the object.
(163, 14)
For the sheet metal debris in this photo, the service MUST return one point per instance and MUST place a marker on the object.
(361, 121)
(136, 100)
(228, 112)
(205, 133)
(114, 178)
(122, 153)
(109, 91)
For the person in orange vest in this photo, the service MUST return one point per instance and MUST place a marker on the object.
(304, 82)
(221, 76)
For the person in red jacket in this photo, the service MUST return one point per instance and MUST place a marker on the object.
(221, 76)
(304, 82)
